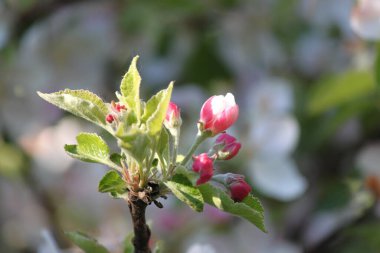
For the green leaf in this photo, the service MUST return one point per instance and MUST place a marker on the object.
(155, 110)
(90, 148)
(249, 209)
(182, 188)
(128, 245)
(93, 146)
(130, 88)
(133, 140)
(116, 159)
(339, 90)
(113, 184)
(163, 146)
(377, 66)
(86, 243)
(81, 103)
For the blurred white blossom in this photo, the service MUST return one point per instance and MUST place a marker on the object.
(201, 248)
(274, 134)
(365, 19)
(48, 244)
(277, 177)
(270, 96)
(68, 50)
(245, 47)
(368, 160)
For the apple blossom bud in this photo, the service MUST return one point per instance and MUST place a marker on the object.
(203, 165)
(226, 147)
(119, 107)
(239, 189)
(110, 118)
(173, 116)
(218, 113)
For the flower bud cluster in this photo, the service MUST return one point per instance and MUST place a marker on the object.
(218, 113)
(116, 110)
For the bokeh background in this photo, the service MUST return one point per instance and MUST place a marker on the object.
(302, 71)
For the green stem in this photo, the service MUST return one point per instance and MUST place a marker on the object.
(200, 138)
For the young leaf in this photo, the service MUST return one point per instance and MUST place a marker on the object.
(250, 209)
(86, 243)
(81, 103)
(182, 188)
(163, 146)
(113, 184)
(128, 245)
(130, 88)
(155, 110)
(90, 148)
(134, 140)
(116, 159)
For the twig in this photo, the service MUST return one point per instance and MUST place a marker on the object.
(141, 230)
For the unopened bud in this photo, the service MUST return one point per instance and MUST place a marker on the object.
(110, 118)
(203, 165)
(226, 147)
(173, 116)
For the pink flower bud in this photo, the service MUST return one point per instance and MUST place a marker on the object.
(218, 113)
(119, 107)
(110, 118)
(239, 189)
(203, 165)
(173, 116)
(226, 147)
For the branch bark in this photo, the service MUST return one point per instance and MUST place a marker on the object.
(141, 230)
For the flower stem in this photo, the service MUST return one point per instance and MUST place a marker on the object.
(141, 230)
(200, 138)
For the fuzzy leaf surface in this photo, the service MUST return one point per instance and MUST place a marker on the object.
(155, 110)
(133, 140)
(113, 184)
(130, 88)
(250, 208)
(182, 188)
(91, 148)
(81, 103)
